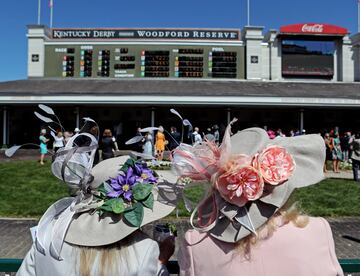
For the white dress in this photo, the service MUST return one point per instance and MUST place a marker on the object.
(148, 147)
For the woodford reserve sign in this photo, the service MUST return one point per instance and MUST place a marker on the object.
(172, 34)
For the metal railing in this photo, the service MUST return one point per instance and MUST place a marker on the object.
(12, 265)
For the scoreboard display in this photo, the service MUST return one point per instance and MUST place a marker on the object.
(144, 61)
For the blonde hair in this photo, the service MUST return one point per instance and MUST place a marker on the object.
(110, 259)
(288, 213)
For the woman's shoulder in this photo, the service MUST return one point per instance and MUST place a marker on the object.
(314, 225)
(317, 233)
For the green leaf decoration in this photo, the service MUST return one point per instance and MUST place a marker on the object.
(117, 205)
(129, 163)
(106, 208)
(124, 168)
(149, 201)
(101, 189)
(141, 191)
(130, 208)
(135, 216)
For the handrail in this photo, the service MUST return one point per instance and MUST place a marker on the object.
(13, 265)
(10, 265)
(350, 265)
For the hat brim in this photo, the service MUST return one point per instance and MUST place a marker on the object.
(88, 229)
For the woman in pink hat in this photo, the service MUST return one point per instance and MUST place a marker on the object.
(246, 224)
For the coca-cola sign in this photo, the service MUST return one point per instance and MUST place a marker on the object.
(314, 28)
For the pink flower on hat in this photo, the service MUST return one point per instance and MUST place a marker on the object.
(275, 164)
(240, 184)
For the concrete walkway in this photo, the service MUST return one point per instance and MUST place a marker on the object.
(15, 238)
(343, 175)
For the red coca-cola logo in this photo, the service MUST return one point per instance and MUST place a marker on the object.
(315, 28)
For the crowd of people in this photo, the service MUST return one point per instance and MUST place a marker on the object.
(339, 148)
(165, 140)
(342, 148)
(107, 143)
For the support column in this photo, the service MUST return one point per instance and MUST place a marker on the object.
(153, 124)
(77, 112)
(5, 128)
(301, 128)
(153, 116)
(228, 111)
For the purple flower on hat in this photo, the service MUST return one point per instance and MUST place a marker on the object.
(122, 185)
(144, 174)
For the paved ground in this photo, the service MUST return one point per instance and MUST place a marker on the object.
(15, 239)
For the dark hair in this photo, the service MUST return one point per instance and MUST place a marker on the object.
(107, 133)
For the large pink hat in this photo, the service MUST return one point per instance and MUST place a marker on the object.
(249, 177)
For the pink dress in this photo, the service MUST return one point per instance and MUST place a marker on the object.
(290, 251)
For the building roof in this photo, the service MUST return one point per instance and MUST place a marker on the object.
(180, 89)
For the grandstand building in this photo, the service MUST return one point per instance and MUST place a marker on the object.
(302, 76)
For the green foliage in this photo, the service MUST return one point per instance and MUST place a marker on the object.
(134, 215)
(329, 198)
(117, 205)
(172, 228)
(129, 163)
(101, 190)
(141, 191)
(149, 201)
(28, 188)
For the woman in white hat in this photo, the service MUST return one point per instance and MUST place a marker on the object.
(97, 232)
(245, 226)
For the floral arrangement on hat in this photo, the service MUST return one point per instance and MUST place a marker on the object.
(129, 192)
(238, 178)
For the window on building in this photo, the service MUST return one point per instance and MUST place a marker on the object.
(308, 58)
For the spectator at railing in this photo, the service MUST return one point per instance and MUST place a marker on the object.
(355, 155)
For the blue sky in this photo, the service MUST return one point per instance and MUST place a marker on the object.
(15, 15)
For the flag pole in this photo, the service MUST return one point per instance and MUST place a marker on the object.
(39, 12)
(248, 12)
(358, 16)
(51, 12)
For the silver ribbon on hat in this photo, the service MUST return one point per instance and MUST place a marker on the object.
(238, 216)
(73, 165)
